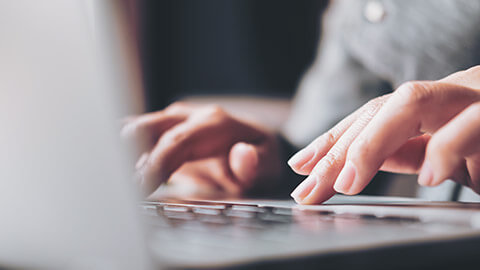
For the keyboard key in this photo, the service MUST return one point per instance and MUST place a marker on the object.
(175, 208)
(248, 208)
(206, 211)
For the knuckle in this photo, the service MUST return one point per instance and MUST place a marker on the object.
(176, 107)
(378, 101)
(414, 93)
(212, 112)
(323, 142)
(328, 138)
(214, 109)
(375, 104)
(332, 160)
(370, 111)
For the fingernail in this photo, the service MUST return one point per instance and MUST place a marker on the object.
(141, 161)
(346, 178)
(304, 189)
(425, 177)
(301, 157)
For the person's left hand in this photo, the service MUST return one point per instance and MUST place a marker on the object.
(202, 150)
(426, 127)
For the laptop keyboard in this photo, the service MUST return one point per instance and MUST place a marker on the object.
(165, 214)
(200, 232)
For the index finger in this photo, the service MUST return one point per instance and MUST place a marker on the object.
(144, 130)
(415, 108)
(211, 132)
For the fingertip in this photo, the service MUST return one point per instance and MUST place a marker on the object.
(312, 191)
(318, 195)
(152, 175)
(300, 161)
(244, 159)
(425, 177)
(303, 190)
(127, 130)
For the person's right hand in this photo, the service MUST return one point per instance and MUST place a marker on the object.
(430, 128)
(202, 145)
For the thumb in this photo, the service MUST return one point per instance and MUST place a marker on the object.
(244, 162)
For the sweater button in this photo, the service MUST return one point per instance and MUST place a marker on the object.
(374, 11)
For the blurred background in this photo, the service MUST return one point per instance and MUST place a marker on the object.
(245, 55)
(216, 47)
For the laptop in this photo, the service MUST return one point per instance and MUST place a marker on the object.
(67, 199)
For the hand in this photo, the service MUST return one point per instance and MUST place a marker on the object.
(202, 146)
(426, 127)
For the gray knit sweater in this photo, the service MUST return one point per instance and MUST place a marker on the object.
(370, 47)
